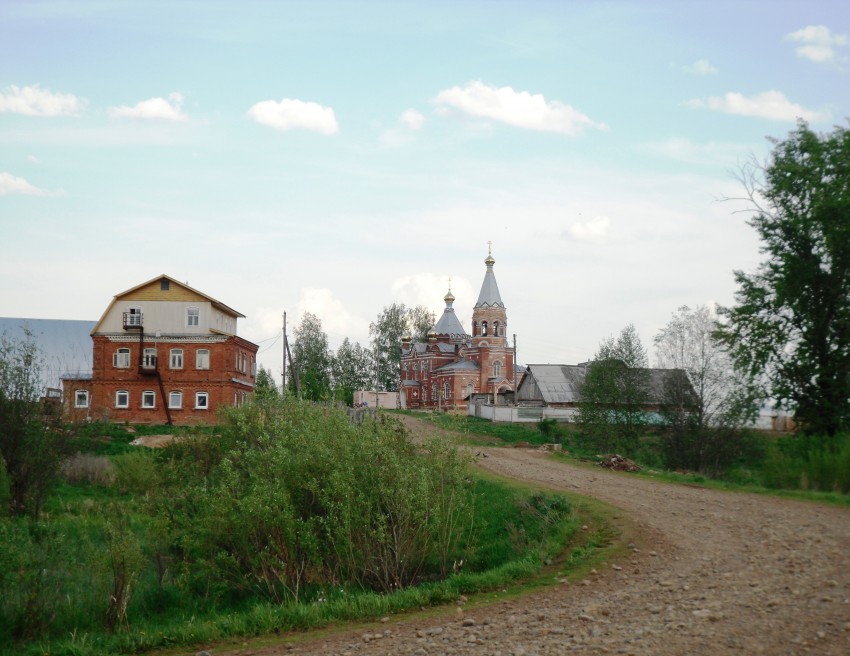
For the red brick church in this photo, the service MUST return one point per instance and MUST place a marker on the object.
(453, 366)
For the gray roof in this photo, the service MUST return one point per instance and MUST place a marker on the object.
(460, 365)
(489, 295)
(64, 344)
(449, 324)
(561, 383)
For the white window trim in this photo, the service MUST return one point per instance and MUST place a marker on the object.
(171, 404)
(190, 316)
(117, 357)
(152, 395)
(126, 403)
(197, 359)
(171, 355)
(85, 395)
(205, 395)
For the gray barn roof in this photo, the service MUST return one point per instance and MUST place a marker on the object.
(65, 345)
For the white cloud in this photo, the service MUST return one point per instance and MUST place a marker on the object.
(818, 43)
(518, 108)
(336, 319)
(33, 159)
(772, 105)
(412, 119)
(153, 109)
(10, 184)
(700, 67)
(35, 101)
(428, 289)
(290, 114)
(592, 230)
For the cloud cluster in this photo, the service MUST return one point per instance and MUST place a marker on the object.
(700, 67)
(35, 101)
(153, 109)
(11, 184)
(818, 44)
(412, 119)
(772, 105)
(292, 114)
(517, 108)
(593, 230)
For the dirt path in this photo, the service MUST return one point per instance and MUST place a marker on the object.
(723, 573)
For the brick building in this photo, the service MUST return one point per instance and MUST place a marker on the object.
(163, 353)
(453, 366)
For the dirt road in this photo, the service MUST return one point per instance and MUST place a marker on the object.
(718, 573)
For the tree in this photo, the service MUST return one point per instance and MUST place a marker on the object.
(614, 392)
(265, 388)
(789, 330)
(31, 450)
(311, 358)
(704, 402)
(352, 370)
(386, 332)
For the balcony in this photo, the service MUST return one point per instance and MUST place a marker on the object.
(148, 364)
(132, 320)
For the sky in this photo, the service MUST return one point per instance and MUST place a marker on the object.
(337, 157)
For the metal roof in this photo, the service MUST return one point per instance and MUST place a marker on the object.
(461, 365)
(489, 295)
(64, 344)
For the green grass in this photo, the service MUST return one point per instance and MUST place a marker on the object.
(518, 532)
(476, 427)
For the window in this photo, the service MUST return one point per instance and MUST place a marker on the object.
(497, 369)
(253, 367)
(122, 399)
(202, 400)
(121, 358)
(484, 329)
(149, 359)
(202, 359)
(495, 329)
(447, 390)
(148, 399)
(81, 399)
(164, 284)
(175, 400)
(434, 392)
(176, 358)
(133, 316)
(193, 315)
(470, 388)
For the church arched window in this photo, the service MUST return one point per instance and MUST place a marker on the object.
(447, 390)
(497, 369)
(470, 388)
(484, 328)
(495, 329)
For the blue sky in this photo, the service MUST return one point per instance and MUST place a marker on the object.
(336, 157)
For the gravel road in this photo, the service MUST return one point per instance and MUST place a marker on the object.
(717, 573)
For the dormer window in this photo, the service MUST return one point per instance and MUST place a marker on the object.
(164, 284)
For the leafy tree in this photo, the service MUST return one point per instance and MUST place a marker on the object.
(386, 332)
(614, 391)
(352, 370)
(789, 330)
(32, 451)
(311, 358)
(704, 402)
(265, 388)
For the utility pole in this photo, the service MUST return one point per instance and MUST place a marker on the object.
(285, 347)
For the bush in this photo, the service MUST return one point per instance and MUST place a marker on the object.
(809, 463)
(135, 472)
(88, 469)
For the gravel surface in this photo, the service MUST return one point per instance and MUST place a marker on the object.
(717, 573)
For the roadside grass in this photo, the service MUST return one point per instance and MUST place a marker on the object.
(525, 536)
(473, 429)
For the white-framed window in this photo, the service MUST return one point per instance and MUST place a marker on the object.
(497, 369)
(121, 358)
(122, 399)
(202, 400)
(193, 316)
(175, 400)
(149, 358)
(434, 391)
(148, 399)
(133, 316)
(81, 398)
(470, 388)
(202, 359)
(176, 359)
(447, 390)
(253, 367)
